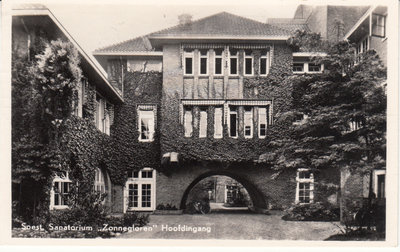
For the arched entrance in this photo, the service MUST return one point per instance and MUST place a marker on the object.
(256, 196)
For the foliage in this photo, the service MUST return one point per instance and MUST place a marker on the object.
(304, 41)
(358, 235)
(166, 207)
(198, 207)
(43, 93)
(124, 152)
(312, 212)
(344, 93)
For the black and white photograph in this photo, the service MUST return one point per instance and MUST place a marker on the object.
(223, 120)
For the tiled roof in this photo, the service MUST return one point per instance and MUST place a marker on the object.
(140, 44)
(292, 27)
(219, 25)
(222, 24)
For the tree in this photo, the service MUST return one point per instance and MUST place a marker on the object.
(43, 94)
(344, 109)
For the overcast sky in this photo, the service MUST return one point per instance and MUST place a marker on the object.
(95, 26)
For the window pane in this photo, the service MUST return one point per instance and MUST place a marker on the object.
(233, 125)
(146, 195)
(248, 66)
(262, 121)
(248, 122)
(298, 67)
(203, 65)
(263, 66)
(188, 65)
(203, 124)
(218, 123)
(188, 120)
(218, 65)
(233, 65)
(314, 68)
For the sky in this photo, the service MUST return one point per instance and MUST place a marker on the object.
(97, 25)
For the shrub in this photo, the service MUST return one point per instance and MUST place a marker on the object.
(312, 212)
(166, 207)
(197, 207)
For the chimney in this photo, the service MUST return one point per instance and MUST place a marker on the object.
(185, 19)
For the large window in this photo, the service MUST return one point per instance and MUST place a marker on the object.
(99, 181)
(248, 122)
(218, 123)
(203, 123)
(305, 186)
(248, 63)
(262, 121)
(264, 63)
(378, 25)
(146, 123)
(140, 190)
(188, 122)
(218, 66)
(188, 63)
(203, 62)
(233, 122)
(102, 116)
(59, 193)
(233, 62)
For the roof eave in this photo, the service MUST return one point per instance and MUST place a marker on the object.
(174, 37)
(128, 53)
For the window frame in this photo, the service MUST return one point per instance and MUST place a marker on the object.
(206, 56)
(251, 122)
(100, 183)
(245, 64)
(139, 181)
(140, 115)
(203, 115)
(266, 121)
(188, 132)
(216, 56)
(61, 180)
(375, 174)
(304, 180)
(191, 56)
(236, 56)
(231, 112)
(221, 123)
(376, 25)
(267, 63)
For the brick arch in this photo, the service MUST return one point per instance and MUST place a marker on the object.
(257, 197)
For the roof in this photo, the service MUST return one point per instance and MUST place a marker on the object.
(289, 24)
(39, 10)
(218, 26)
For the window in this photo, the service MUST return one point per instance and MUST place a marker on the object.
(146, 124)
(99, 181)
(233, 125)
(314, 67)
(298, 67)
(264, 63)
(248, 63)
(102, 116)
(218, 123)
(379, 177)
(139, 190)
(60, 191)
(305, 186)
(203, 123)
(188, 122)
(188, 63)
(231, 193)
(203, 62)
(262, 122)
(233, 62)
(248, 122)
(378, 25)
(218, 62)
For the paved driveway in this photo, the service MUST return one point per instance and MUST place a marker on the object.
(233, 225)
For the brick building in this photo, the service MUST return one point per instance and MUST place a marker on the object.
(185, 103)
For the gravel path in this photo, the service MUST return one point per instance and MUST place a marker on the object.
(233, 225)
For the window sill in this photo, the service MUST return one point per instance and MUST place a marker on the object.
(58, 207)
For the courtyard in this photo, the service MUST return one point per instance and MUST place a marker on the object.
(234, 225)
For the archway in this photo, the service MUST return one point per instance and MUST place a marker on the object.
(256, 196)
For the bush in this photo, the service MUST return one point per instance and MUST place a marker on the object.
(312, 212)
(166, 207)
(198, 207)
